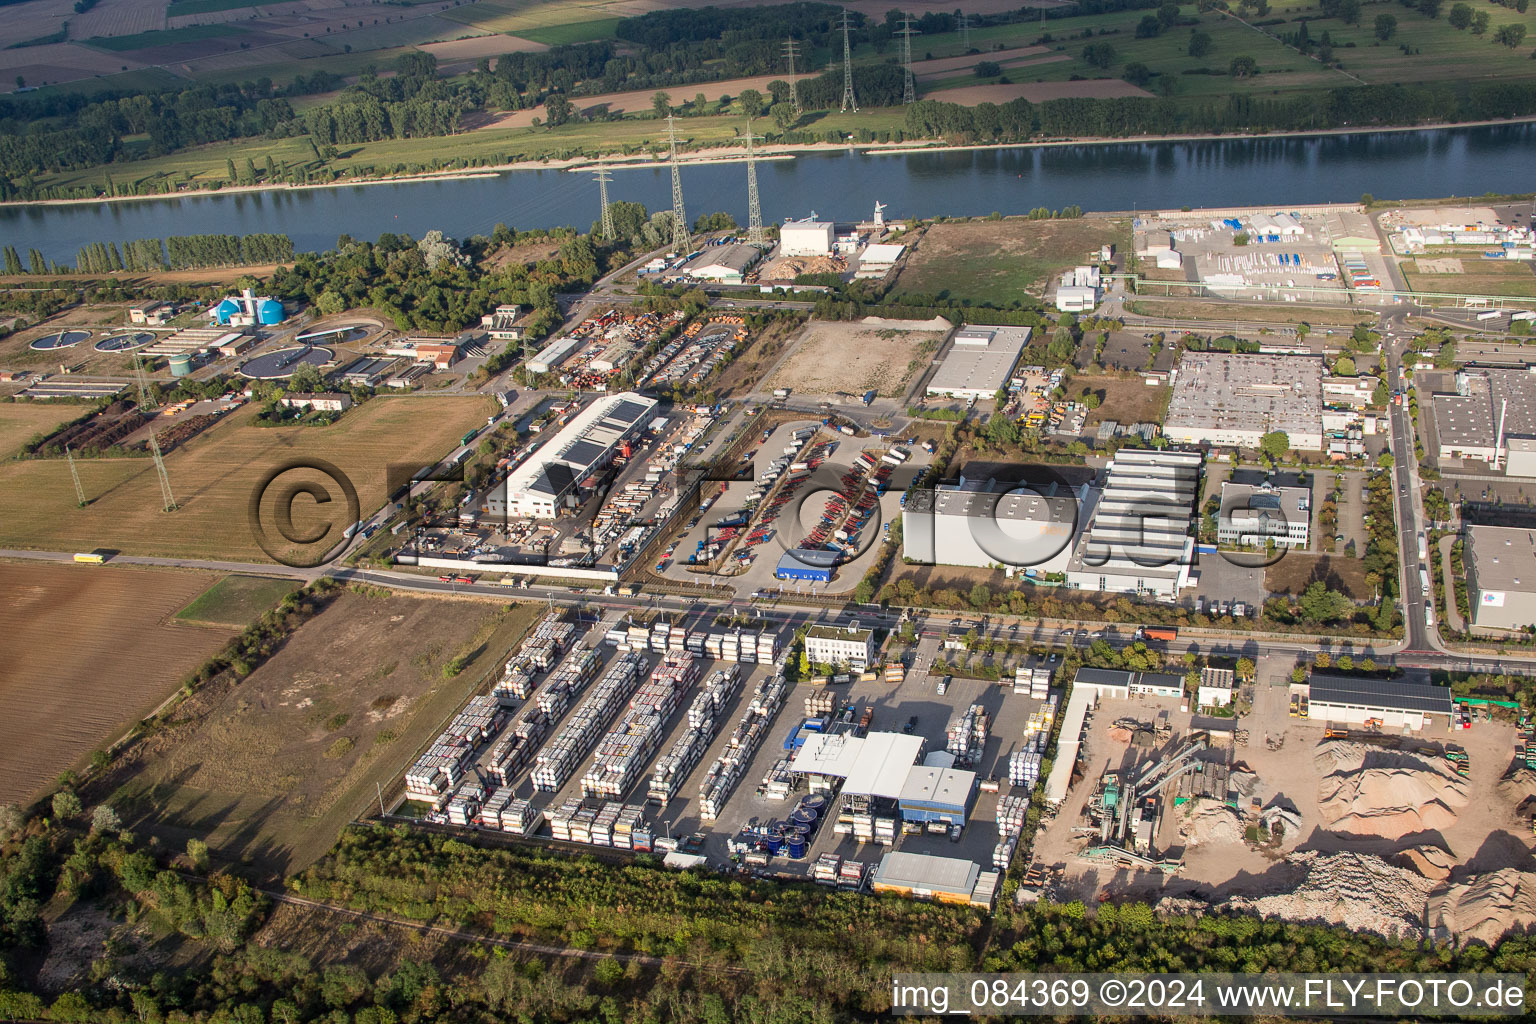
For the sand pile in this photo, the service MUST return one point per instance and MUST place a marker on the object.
(1485, 908)
(1357, 891)
(1389, 794)
(1432, 862)
(1517, 785)
(1211, 823)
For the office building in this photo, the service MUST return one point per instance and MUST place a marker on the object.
(840, 645)
(1252, 515)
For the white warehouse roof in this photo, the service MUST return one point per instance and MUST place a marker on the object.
(884, 764)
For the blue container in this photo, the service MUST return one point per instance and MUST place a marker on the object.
(803, 816)
(797, 848)
(816, 801)
(774, 844)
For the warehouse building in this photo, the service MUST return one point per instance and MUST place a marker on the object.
(1252, 515)
(1396, 704)
(555, 353)
(1491, 418)
(1215, 687)
(840, 645)
(981, 359)
(539, 487)
(726, 264)
(1501, 576)
(1223, 398)
(1138, 539)
(932, 794)
(925, 877)
(874, 765)
(808, 237)
(807, 564)
(1017, 526)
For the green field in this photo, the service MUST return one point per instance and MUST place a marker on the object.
(141, 80)
(180, 7)
(162, 37)
(1001, 260)
(1513, 278)
(579, 32)
(237, 600)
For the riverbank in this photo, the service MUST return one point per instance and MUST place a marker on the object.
(713, 156)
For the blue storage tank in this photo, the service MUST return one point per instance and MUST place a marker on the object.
(796, 848)
(226, 309)
(269, 312)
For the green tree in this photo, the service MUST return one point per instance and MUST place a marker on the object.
(1430, 8)
(661, 104)
(752, 103)
(1244, 668)
(197, 854)
(783, 115)
(1344, 366)
(1480, 23)
(1510, 35)
(1275, 445)
(981, 596)
(66, 804)
(1386, 26)
(1199, 44)
(1243, 66)
(1319, 604)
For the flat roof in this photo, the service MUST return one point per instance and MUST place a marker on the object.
(1020, 502)
(1390, 694)
(1104, 676)
(980, 359)
(1224, 391)
(808, 558)
(881, 252)
(1502, 558)
(1484, 394)
(839, 633)
(948, 788)
(885, 765)
(836, 755)
(1217, 678)
(924, 871)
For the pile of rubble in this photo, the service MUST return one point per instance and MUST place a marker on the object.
(1211, 823)
(1485, 908)
(1357, 891)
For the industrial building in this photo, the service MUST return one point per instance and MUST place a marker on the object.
(319, 401)
(922, 876)
(1490, 418)
(726, 264)
(1215, 687)
(984, 524)
(840, 645)
(1392, 703)
(502, 325)
(1352, 392)
(933, 794)
(980, 361)
(246, 310)
(808, 237)
(1079, 290)
(1138, 539)
(877, 260)
(1222, 398)
(1253, 515)
(555, 353)
(807, 564)
(539, 487)
(1501, 576)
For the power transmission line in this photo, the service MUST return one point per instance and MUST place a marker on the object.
(682, 239)
(965, 32)
(754, 207)
(603, 176)
(848, 99)
(146, 397)
(75, 473)
(167, 502)
(909, 87)
(791, 51)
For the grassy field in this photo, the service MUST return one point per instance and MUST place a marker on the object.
(1124, 398)
(19, 421)
(270, 770)
(213, 478)
(1001, 260)
(162, 37)
(578, 32)
(1217, 312)
(236, 600)
(89, 651)
(1478, 277)
(176, 8)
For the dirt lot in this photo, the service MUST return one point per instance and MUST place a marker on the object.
(214, 475)
(1127, 399)
(854, 358)
(1471, 276)
(1296, 571)
(762, 351)
(20, 421)
(1004, 259)
(271, 769)
(89, 650)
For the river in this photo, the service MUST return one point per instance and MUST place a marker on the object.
(840, 185)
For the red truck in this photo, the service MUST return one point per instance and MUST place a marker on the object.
(1163, 633)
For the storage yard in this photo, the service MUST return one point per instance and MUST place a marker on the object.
(272, 768)
(1281, 812)
(90, 650)
(685, 737)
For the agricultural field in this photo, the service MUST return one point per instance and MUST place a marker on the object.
(268, 771)
(1219, 312)
(1001, 261)
(1475, 277)
(21, 421)
(578, 32)
(163, 37)
(213, 477)
(236, 600)
(89, 651)
(836, 357)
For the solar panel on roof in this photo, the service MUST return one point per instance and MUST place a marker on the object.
(1386, 693)
(626, 412)
(583, 453)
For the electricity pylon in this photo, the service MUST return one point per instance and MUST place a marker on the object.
(682, 239)
(754, 206)
(909, 87)
(167, 502)
(848, 98)
(791, 51)
(603, 176)
(75, 473)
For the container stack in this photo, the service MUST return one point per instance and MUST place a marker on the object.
(1010, 815)
(561, 755)
(895, 673)
(703, 723)
(514, 751)
(561, 817)
(490, 811)
(723, 775)
(631, 817)
(440, 770)
(1002, 853)
(624, 751)
(779, 783)
(1034, 682)
(820, 702)
(567, 682)
(985, 893)
(520, 817)
(967, 735)
(850, 875)
(828, 869)
(464, 808)
(538, 653)
(1024, 768)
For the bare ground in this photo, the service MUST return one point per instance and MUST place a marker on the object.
(853, 358)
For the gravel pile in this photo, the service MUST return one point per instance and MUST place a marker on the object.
(1388, 794)
(1357, 891)
(1485, 908)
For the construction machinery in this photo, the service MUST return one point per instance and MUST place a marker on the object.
(1128, 806)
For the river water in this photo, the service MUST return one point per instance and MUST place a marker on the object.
(840, 185)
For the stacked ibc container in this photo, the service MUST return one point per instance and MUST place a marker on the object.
(538, 653)
(723, 775)
(437, 772)
(703, 723)
(631, 817)
(520, 817)
(1024, 768)
(828, 869)
(561, 755)
(1002, 853)
(779, 782)
(515, 750)
(560, 819)
(1010, 815)
(767, 647)
(820, 702)
(967, 735)
(623, 752)
(490, 811)
(567, 682)
(464, 808)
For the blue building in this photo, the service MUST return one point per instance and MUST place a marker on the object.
(933, 794)
(807, 564)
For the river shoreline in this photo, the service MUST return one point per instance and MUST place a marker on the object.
(779, 152)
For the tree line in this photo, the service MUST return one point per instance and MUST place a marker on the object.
(184, 252)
